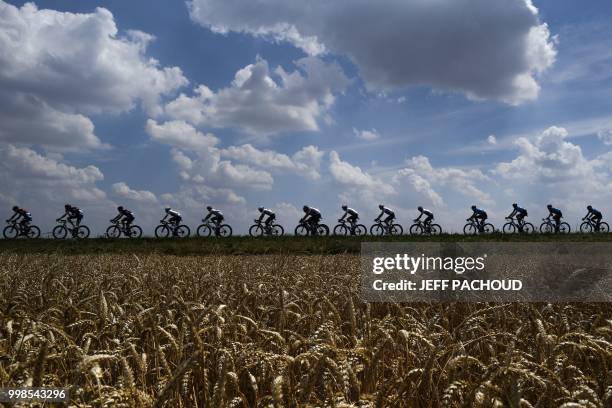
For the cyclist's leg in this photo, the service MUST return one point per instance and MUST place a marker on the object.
(597, 221)
(427, 221)
(557, 222)
(389, 219)
(269, 221)
(315, 223)
(218, 221)
(520, 221)
(352, 220)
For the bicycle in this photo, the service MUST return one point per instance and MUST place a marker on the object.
(381, 228)
(513, 226)
(590, 226)
(548, 227)
(206, 229)
(473, 227)
(118, 229)
(15, 230)
(346, 228)
(167, 229)
(305, 228)
(260, 228)
(420, 228)
(61, 230)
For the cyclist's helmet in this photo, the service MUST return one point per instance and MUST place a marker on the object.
(167, 209)
(549, 206)
(514, 205)
(420, 208)
(15, 208)
(473, 207)
(381, 206)
(306, 208)
(344, 207)
(67, 206)
(120, 208)
(589, 207)
(208, 207)
(260, 209)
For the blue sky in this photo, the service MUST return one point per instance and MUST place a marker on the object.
(406, 103)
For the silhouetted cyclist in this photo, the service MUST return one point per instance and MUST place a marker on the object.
(390, 215)
(23, 216)
(520, 214)
(479, 215)
(424, 212)
(556, 214)
(73, 215)
(215, 216)
(594, 215)
(175, 216)
(312, 216)
(351, 215)
(269, 214)
(125, 215)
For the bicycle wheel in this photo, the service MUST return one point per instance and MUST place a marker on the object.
(604, 227)
(224, 231)
(135, 231)
(83, 232)
(341, 229)
(528, 228)
(302, 230)
(162, 231)
(377, 230)
(396, 229)
(564, 228)
(204, 230)
(546, 228)
(415, 229)
(322, 230)
(470, 229)
(586, 227)
(509, 228)
(183, 231)
(435, 229)
(33, 232)
(256, 230)
(278, 230)
(488, 228)
(113, 231)
(10, 232)
(360, 230)
(59, 232)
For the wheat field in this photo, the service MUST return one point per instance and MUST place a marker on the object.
(282, 331)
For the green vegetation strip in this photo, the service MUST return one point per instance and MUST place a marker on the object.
(260, 246)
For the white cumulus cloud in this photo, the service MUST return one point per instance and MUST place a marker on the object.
(124, 191)
(264, 102)
(56, 67)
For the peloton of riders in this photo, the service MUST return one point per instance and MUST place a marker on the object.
(312, 216)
